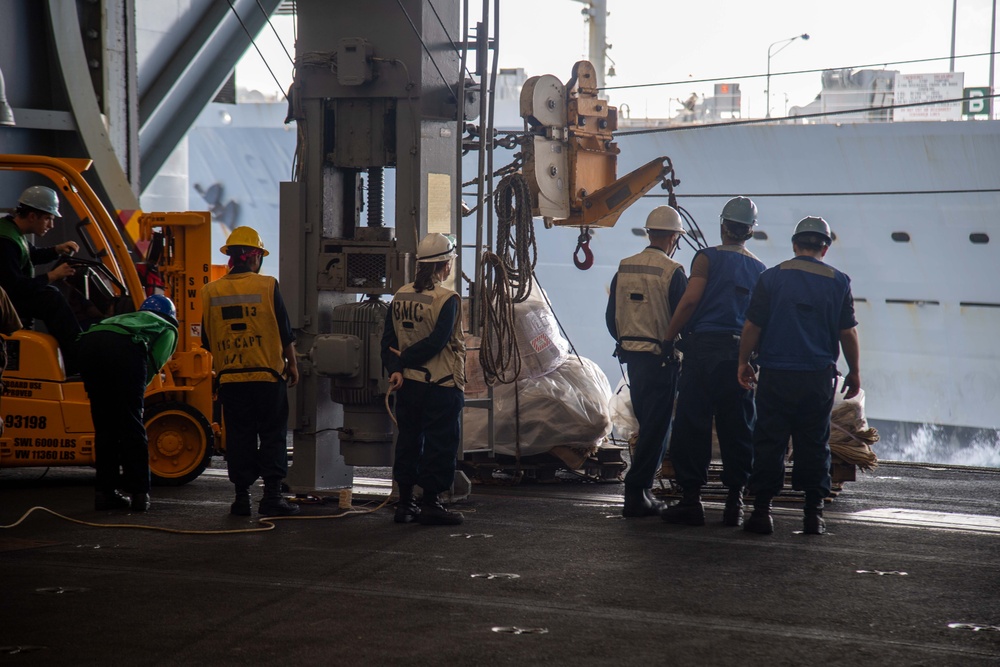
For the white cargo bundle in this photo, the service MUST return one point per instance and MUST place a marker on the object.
(567, 407)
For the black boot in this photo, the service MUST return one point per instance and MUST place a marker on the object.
(111, 500)
(639, 502)
(241, 505)
(273, 503)
(140, 502)
(760, 520)
(406, 508)
(812, 521)
(689, 511)
(433, 513)
(732, 515)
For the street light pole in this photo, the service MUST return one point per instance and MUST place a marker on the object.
(784, 43)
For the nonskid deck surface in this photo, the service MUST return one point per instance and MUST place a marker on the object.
(537, 573)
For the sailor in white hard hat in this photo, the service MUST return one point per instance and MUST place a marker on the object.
(644, 293)
(33, 295)
(423, 350)
(801, 314)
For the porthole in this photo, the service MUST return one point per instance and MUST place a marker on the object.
(760, 236)
(900, 237)
(979, 237)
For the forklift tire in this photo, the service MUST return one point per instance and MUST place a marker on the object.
(181, 443)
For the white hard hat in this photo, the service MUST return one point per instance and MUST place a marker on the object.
(813, 225)
(41, 198)
(435, 248)
(665, 219)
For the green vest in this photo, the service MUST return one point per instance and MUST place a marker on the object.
(9, 230)
(154, 333)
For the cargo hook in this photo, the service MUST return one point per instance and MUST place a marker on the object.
(583, 244)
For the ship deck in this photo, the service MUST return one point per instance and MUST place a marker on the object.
(538, 574)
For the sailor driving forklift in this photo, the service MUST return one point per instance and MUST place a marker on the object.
(645, 293)
(423, 350)
(711, 316)
(34, 296)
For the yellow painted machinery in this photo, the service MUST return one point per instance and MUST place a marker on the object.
(571, 158)
(46, 416)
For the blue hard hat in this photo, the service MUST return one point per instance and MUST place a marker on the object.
(160, 305)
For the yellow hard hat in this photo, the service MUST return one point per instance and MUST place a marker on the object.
(244, 236)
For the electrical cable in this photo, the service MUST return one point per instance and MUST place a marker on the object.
(884, 193)
(802, 71)
(274, 30)
(820, 114)
(427, 51)
(454, 46)
(263, 59)
(267, 523)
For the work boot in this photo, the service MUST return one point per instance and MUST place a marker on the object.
(732, 515)
(760, 520)
(241, 504)
(689, 511)
(639, 502)
(140, 502)
(111, 500)
(406, 507)
(433, 513)
(273, 503)
(812, 521)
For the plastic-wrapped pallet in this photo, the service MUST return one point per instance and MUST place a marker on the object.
(567, 407)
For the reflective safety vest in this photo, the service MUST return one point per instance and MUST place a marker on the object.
(642, 305)
(242, 328)
(414, 316)
(732, 274)
(9, 230)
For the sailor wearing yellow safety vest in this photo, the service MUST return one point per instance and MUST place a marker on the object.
(424, 352)
(247, 331)
(644, 294)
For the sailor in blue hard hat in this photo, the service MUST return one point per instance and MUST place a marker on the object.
(119, 357)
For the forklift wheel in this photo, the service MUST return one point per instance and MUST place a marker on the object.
(180, 443)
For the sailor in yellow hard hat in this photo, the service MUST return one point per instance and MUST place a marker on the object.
(247, 331)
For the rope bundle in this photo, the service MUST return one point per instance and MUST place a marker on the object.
(850, 436)
(498, 353)
(516, 234)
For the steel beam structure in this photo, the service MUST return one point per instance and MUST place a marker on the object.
(194, 74)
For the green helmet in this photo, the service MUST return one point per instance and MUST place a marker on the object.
(41, 198)
(740, 210)
(813, 225)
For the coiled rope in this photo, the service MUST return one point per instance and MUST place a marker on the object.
(498, 353)
(516, 234)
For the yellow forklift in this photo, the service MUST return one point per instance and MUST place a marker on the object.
(46, 415)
